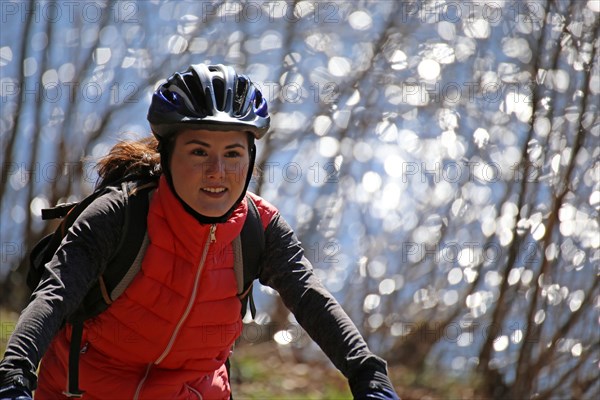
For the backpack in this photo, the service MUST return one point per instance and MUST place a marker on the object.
(126, 261)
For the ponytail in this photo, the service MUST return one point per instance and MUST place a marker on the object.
(136, 158)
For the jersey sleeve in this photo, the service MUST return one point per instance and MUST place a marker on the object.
(290, 273)
(80, 259)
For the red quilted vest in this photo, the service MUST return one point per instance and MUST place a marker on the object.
(170, 332)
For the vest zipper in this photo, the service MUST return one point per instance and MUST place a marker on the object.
(211, 239)
(139, 387)
(197, 393)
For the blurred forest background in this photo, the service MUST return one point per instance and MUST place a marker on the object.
(438, 159)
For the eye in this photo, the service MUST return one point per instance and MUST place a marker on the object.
(233, 154)
(199, 152)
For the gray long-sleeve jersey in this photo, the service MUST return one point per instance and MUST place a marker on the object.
(90, 243)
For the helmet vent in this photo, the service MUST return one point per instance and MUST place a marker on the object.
(258, 99)
(191, 89)
(219, 90)
(240, 95)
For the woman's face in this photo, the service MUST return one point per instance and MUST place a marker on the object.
(209, 169)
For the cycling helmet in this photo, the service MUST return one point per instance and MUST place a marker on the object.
(211, 97)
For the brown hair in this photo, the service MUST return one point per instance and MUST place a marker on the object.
(137, 158)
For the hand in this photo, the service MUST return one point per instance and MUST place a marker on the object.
(14, 392)
(383, 394)
(378, 386)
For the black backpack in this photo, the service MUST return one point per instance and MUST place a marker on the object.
(127, 260)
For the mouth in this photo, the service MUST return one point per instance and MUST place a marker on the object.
(214, 192)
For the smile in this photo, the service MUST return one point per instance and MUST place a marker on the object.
(214, 190)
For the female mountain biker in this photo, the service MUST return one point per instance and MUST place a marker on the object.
(170, 333)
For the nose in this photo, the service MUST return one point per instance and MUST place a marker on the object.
(214, 168)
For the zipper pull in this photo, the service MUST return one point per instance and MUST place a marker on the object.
(213, 230)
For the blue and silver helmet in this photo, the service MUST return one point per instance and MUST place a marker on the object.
(210, 97)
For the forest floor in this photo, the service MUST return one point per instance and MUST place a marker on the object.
(264, 371)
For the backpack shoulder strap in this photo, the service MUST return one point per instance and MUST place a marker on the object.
(127, 262)
(127, 258)
(247, 251)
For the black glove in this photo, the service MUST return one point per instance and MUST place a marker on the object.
(14, 392)
(372, 385)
